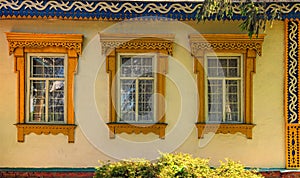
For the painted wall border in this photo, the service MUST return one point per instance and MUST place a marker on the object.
(119, 10)
(292, 94)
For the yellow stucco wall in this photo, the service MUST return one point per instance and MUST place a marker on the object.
(266, 149)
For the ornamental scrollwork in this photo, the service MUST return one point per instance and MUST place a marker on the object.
(114, 7)
(291, 96)
(157, 45)
(37, 44)
(136, 41)
(225, 42)
(117, 9)
(292, 69)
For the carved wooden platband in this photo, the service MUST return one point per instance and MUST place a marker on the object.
(157, 128)
(245, 129)
(225, 42)
(26, 129)
(137, 41)
(29, 40)
(162, 46)
(204, 44)
(22, 43)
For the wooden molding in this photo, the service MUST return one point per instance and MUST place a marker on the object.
(137, 41)
(22, 43)
(156, 128)
(205, 128)
(226, 43)
(26, 129)
(216, 42)
(160, 44)
(33, 40)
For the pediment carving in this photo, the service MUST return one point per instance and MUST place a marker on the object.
(30, 40)
(225, 42)
(137, 41)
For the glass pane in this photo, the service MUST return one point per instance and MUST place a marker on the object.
(233, 104)
(127, 100)
(145, 101)
(56, 101)
(37, 101)
(140, 66)
(215, 100)
(223, 67)
(47, 67)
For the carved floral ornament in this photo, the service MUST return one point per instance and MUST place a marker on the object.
(136, 41)
(225, 42)
(29, 40)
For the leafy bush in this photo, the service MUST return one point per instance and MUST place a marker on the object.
(173, 165)
(127, 169)
(235, 170)
(182, 165)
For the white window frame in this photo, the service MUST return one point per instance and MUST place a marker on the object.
(28, 79)
(224, 55)
(154, 70)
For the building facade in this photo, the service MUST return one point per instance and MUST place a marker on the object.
(83, 81)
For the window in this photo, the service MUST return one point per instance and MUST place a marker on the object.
(46, 89)
(45, 65)
(224, 65)
(136, 65)
(224, 89)
(136, 89)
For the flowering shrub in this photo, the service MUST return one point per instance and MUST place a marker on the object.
(173, 165)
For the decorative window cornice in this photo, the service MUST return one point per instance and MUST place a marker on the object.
(30, 40)
(225, 42)
(137, 41)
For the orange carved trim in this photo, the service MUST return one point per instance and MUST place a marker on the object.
(31, 40)
(137, 41)
(162, 45)
(245, 129)
(225, 42)
(156, 128)
(22, 43)
(26, 129)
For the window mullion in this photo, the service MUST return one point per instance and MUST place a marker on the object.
(136, 99)
(224, 99)
(47, 101)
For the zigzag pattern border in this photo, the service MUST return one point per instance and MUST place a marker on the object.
(118, 10)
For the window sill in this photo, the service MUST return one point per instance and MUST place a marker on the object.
(145, 128)
(204, 128)
(26, 129)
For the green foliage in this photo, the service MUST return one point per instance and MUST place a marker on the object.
(169, 165)
(134, 168)
(234, 170)
(182, 165)
(254, 14)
